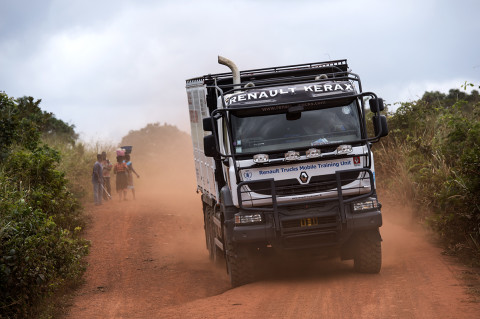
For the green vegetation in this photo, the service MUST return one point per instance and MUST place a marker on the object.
(432, 155)
(40, 218)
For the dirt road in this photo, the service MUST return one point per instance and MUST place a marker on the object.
(148, 260)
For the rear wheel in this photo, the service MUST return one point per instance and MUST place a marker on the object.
(214, 252)
(368, 255)
(206, 227)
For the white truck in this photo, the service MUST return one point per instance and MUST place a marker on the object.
(284, 164)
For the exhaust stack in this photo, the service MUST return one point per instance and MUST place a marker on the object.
(235, 71)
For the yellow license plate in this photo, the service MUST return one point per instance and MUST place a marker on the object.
(307, 222)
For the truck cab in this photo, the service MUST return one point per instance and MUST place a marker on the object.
(284, 164)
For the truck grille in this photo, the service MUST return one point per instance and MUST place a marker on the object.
(266, 192)
(293, 187)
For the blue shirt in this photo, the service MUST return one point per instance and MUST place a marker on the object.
(97, 174)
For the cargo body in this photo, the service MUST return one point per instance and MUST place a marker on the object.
(284, 164)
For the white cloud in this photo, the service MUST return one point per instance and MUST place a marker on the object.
(112, 66)
(414, 90)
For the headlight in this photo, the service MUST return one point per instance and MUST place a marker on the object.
(242, 219)
(365, 205)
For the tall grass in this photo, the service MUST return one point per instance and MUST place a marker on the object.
(432, 156)
(77, 163)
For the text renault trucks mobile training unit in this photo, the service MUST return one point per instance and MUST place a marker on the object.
(284, 165)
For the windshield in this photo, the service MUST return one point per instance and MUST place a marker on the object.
(340, 124)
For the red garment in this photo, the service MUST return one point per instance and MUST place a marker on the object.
(120, 167)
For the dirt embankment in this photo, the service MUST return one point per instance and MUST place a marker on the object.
(148, 260)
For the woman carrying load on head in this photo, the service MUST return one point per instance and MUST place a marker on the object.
(121, 171)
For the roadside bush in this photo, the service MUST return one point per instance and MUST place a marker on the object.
(433, 150)
(458, 219)
(39, 227)
(40, 218)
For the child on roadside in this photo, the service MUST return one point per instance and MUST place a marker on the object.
(131, 170)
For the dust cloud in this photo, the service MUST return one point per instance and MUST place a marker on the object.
(167, 181)
(149, 259)
(163, 157)
(402, 230)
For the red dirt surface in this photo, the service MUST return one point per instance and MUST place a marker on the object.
(148, 260)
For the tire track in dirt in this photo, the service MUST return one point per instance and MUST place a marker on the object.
(143, 258)
(416, 281)
(148, 260)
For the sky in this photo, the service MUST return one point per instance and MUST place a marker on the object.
(111, 66)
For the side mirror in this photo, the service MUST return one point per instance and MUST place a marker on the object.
(383, 125)
(376, 105)
(209, 146)
(207, 124)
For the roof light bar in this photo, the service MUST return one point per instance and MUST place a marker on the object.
(292, 156)
(344, 149)
(313, 153)
(260, 158)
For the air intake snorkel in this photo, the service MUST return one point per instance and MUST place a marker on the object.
(234, 68)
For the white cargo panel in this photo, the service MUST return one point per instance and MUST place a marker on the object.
(204, 166)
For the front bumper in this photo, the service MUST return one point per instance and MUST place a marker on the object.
(306, 231)
(311, 221)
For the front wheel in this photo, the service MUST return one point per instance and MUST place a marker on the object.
(240, 266)
(368, 255)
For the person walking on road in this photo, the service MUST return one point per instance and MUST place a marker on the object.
(121, 171)
(107, 167)
(97, 181)
(131, 171)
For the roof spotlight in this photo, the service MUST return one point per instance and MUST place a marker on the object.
(344, 149)
(260, 158)
(313, 153)
(292, 156)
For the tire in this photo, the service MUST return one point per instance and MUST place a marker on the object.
(214, 252)
(368, 255)
(210, 241)
(206, 227)
(240, 266)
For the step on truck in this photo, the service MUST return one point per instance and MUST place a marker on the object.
(284, 164)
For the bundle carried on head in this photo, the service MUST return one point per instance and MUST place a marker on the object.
(128, 149)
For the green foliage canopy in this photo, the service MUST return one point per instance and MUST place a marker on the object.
(40, 219)
(23, 122)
